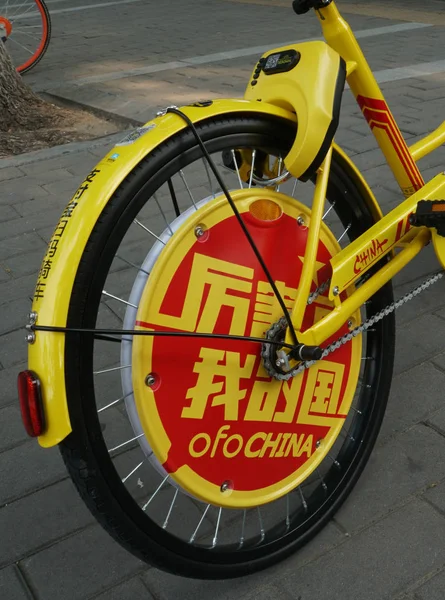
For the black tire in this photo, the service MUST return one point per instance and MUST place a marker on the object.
(85, 452)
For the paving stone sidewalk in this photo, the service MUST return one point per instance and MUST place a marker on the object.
(388, 541)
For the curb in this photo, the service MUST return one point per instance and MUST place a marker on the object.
(63, 150)
(106, 115)
(73, 147)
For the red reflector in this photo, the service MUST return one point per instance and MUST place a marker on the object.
(31, 406)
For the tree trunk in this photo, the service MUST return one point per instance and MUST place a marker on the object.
(27, 122)
(18, 102)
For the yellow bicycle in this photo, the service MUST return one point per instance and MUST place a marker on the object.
(211, 341)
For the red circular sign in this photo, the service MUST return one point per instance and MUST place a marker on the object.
(224, 417)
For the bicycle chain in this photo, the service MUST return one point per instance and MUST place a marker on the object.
(281, 324)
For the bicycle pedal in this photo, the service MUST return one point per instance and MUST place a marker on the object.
(430, 213)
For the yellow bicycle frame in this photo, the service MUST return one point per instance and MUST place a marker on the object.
(307, 99)
(393, 231)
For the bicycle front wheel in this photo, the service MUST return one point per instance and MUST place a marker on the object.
(185, 448)
(25, 28)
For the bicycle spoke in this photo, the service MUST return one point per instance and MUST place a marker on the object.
(334, 461)
(260, 519)
(34, 37)
(164, 526)
(322, 481)
(17, 15)
(148, 231)
(303, 499)
(34, 16)
(11, 39)
(194, 534)
(163, 215)
(328, 211)
(18, 7)
(118, 299)
(243, 526)
(160, 486)
(113, 403)
(280, 163)
(345, 434)
(126, 443)
(108, 338)
(181, 174)
(112, 369)
(344, 233)
(252, 167)
(206, 166)
(132, 472)
(237, 170)
(215, 537)
(129, 263)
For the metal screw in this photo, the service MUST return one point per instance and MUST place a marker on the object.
(350, 323)
(30, 338)
(300, 220)
(336, 290)
(280, 362)
(318, 443)
(199, 231)
(32, 317)
(225, 486)
(150, 380)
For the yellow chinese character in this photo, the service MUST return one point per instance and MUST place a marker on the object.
(224, 281)
(321, 396)
(218, 363)
(267, 309)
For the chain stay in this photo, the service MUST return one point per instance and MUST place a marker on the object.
(266, 352)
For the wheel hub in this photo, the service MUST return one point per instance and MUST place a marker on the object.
(219, 426)
(5, 28)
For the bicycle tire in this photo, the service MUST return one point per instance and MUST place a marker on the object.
(84, 450)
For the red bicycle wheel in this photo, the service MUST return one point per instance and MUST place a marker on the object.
(25, 28)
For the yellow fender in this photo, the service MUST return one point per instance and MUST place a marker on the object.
(59, 267)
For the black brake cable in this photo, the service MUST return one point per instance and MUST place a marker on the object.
(107, 334)
(246, 232)
(104, 334)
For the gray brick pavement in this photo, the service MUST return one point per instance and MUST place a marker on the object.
(387, 540)
(12, 585)
(129, 590)
(35, 521)
(76, 572)
(391, 544)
